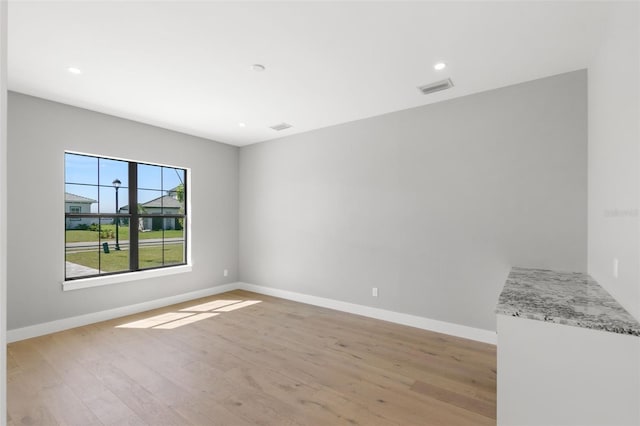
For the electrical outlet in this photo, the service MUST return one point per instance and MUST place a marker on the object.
(374, 291)
(615, 268)
(226, 273)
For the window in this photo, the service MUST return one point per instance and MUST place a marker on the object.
(74, 209)
(104, 234)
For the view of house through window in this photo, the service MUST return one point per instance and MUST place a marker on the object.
(104, 234)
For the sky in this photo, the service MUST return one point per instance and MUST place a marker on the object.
(93, 178)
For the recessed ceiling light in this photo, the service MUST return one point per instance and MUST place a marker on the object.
(439, 66)
(74, 70)
(242, 124)
(257, 67)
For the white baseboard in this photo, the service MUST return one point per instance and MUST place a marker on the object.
(477, 334)
(72, 322)
(463, 331)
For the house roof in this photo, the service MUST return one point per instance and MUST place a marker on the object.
(165, 201)
(73, 198)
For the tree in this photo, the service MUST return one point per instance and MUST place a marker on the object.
(180, 197)
(180, 193)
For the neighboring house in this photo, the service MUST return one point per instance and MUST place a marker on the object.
(167, 204)
(77, 204)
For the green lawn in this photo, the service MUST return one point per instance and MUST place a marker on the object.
(76, 236)
(119, 260)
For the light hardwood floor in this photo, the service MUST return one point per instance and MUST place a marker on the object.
(275, 362)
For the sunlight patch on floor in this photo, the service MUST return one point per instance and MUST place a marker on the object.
(155, 320)
(209, 306)
(240, 305)
(172, 320)
(184, 321)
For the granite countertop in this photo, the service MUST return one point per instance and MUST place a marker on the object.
(569, 298)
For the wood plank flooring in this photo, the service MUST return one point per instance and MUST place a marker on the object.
(223, 360)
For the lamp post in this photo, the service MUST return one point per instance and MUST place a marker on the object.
(116, 184)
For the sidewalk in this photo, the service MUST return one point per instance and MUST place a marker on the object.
(123, 242)
(75, 270)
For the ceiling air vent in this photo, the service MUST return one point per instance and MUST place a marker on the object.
(281, 126)
(436, 87)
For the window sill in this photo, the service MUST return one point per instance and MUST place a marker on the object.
(123, 278)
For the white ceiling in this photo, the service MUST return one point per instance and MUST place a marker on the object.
(185, 66)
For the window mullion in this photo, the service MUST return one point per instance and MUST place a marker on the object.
(134, 221)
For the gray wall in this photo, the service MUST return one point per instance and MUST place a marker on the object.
(39, 132)
(431, 205)
(614, 157)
